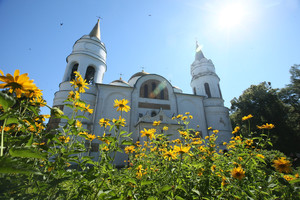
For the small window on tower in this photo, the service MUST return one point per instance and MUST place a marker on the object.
(220, 91)
(89, 75)
(74, 69)
(194, 89)
(207, 90)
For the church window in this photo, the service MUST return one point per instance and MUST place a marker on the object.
(153, 86)
(194, 89)
(146, 91)
(162, 94)
(74, 69)
(220, 91)
(161, 118)
(154, 89)
(89, 75)
(153, 113)
(207, 90)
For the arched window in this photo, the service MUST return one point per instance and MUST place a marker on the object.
(207, 90)
(153, 113)
(74, 69)
(89, 75)
(146, 91)
(194, 89)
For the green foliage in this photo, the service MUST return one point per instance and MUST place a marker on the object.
(279, 107)
(40, 164)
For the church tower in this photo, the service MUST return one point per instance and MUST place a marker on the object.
(205, 81)
(88, 57)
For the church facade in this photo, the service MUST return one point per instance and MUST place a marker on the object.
(151, 96)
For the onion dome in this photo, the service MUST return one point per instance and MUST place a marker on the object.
(135, 77)
(120, 82)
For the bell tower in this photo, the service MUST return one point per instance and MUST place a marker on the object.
(88, 57)
(205, 81)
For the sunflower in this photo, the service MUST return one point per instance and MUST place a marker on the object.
(238, 173)
(104, 122)
(19, 84)
(79, 83)
(148, 133)
(181, 149)
(121, 105)
(282, 165)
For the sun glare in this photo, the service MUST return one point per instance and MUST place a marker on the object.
(231, 15)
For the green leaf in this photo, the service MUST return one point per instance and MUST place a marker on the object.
(7, 165)
(179, 198)
(130, 180)
(165, 188)
(181, 188)
(24, 152)
(6, 101)
(30, 141)
(123, 132)
(33, 109)
(126, 142)
(146, 182)
(12, 120)
(81, 117)
(196, 191)
(151, 198)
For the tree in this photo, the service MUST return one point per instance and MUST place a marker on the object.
(269, 105)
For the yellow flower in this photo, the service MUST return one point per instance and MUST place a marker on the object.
(260, 156)
(148, 133)
(130, 149)
(236, 129)
(104, 122)
(183, 133)
(184, 118)
(181, 149)
(288, 177)
(191, 117)
(187, 113)
(64, 139)
(209, 128)
(247, 117)
(169, 155)
(178, 116)
(90, 137)
(156, 123)
(216, 131)
(266, 126)
(165, 128)
(74, 95)
(78, 123)
(249, 142)
(238, 173)
(20, 84)
(79, 82)
(105, 148)
(121, 105)
(119, 122)
(282, 165)
(213, 168)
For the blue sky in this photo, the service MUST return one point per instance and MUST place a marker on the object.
(158, 35)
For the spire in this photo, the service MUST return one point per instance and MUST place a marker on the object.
(96, 31)
(199, 55)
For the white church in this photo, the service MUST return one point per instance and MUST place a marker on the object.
(151, 96)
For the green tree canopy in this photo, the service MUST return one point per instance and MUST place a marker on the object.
(268, 105)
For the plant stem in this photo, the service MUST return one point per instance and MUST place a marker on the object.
(2, 137)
